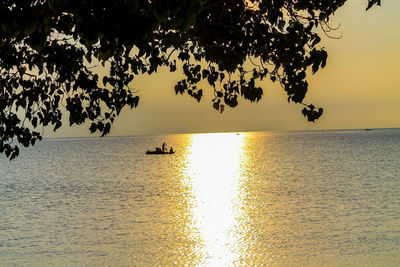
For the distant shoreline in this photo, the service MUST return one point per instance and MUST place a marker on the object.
(190, 133)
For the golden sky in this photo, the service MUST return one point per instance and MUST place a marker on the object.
(359, 88)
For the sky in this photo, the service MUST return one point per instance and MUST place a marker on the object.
(359, 88)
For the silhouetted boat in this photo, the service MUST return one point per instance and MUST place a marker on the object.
(159, 152)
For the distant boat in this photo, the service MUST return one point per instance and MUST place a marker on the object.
(368, 129)
(159, 152)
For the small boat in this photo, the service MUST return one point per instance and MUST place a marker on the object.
(159, 152)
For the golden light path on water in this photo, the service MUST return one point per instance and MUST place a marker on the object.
(214, 179)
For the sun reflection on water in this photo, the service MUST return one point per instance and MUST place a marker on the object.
(214, 180)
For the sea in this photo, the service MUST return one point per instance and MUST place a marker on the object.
(311, 198)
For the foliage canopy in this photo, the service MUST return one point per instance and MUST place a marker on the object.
(48, 50)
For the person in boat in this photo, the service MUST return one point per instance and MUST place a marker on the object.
(171, 150)
(163, 147)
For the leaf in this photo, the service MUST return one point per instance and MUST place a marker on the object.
(324, 56)
(15, 153)
(105, 80)
(304, 112)
(205, 73)
(256, 75)
(216, 105)
(135, 101)
(88, 57)
(34, 122)
(317, 39)
(371, 3)
(106, 129)
(58, 125)
(222, 108)
(281, 24)
(93, 127)
(71, 119)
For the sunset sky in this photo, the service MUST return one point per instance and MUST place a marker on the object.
(359, 88)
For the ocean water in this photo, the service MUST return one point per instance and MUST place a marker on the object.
(327, 198)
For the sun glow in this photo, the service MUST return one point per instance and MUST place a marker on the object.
(216, 202)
